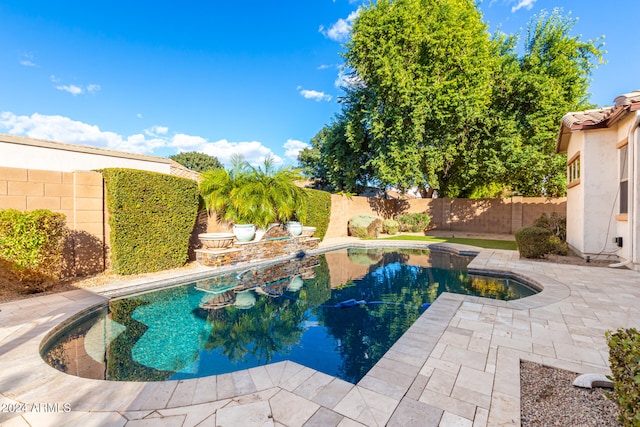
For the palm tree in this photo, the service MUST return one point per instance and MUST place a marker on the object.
(256, 195)
(219, 189)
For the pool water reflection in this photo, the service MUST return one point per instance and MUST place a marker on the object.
(280, 312)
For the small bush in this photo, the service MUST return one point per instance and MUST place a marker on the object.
(364, 226)
(31, 247)
(624, 357)
(555, 222)
(533, 242)
(318, 211)
(413, 222)
(390, 226)
(557, 246)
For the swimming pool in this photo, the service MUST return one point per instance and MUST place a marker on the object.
(338, 313)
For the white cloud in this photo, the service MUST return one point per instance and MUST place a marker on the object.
(139, 115)
(155, 130)
(526, 4)
(341, 30)
(72, 89)
(314, 94)
(64, 129)
(348, 80)
(27, 60)
(293, 147)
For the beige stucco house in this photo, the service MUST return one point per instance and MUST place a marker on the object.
(29, 153)
(603, 180)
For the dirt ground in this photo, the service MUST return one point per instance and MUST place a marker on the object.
(16, 292)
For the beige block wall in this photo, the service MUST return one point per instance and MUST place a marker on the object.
(534, 207)
(79, 195)
(494, 216)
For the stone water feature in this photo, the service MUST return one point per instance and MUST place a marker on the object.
(277, 241)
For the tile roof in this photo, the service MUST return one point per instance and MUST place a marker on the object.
(598, 118)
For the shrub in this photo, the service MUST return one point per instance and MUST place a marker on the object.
(557, 246)
(151, 217)
(362, 256)
(390, 226)
(413, 222)
(556, 223)
(318, 211)
(364, 226)
(31, 247)
(624, 357)
(533, 242)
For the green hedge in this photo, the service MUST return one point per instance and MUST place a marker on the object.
(533, 242)
(318, 211)
(624, 357)
(414, 222)
(31, 247)
(151, 217)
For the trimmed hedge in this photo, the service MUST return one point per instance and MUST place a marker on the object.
(390, 226)
(151, 217)
(414, 222)
(533, 242)
(624, 357)
(31, 247)
(364, 226)
(318, 211)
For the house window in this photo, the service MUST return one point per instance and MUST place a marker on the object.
(624, 180)
(573, 170)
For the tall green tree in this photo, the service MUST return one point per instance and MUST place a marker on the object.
(339, 154)
(536, 90)
(429, 67)
(197, 161)
(440, 104)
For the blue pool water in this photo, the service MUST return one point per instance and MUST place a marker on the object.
(290, 311)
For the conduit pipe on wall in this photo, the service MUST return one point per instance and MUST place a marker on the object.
(632, 141)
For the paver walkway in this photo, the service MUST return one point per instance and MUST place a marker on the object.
(458, 365)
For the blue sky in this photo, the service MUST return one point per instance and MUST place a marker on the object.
(254, 77)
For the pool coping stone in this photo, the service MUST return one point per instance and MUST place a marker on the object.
(458, 364)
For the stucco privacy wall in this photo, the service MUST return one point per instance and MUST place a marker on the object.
(499, 216)
(79, 195)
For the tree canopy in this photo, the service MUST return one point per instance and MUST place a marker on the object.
(440, 104)
(196, 161)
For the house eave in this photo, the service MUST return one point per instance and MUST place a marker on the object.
(596, 119)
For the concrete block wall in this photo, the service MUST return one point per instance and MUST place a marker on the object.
(79, 195)
(494, 216)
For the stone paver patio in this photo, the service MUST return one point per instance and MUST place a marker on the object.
(458, 365)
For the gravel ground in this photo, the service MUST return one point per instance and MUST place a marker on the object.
(11, 291)
(548, 398)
